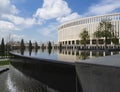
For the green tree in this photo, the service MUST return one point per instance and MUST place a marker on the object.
(60, 45)
(84, 55)
(30, 45)
(106, 30)
(22, 45)
(2, 45)
(84, 37)
(115, 40)
(98, 34)
(49, 45)
(36, 45)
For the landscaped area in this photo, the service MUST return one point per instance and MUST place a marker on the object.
(4, 62)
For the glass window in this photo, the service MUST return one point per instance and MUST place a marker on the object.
(119, 17)
(93, 41)
(88, 20)
(79, 22)
(77, 41)
(66, 42)
(63, 43)
(94, 19)
(73, 42)
(83, 21)
(101, 41)
(69, 42)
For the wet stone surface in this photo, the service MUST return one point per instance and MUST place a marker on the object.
(15, 81)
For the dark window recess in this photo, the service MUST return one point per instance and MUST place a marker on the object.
(93, 41)
(73, 53)
(101, 41)
(65, 42)
(77, 42)
(69, 53)
(88, 41)
(108, 41)
(73, 42)
(69, 42)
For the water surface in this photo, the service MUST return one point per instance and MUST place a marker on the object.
(66, 55)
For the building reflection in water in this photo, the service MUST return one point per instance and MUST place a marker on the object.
(22, 51)
(30, 52)
(75, 55)
(67, 55)
(36, 51)
(72, 55)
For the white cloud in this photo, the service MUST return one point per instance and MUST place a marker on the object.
(48, 33)
(53, 9)
(20, 20)
(56, 9)
(7, 8)
(49, 30)
(69, 17)
(9, 15)
(105, 6)
(7, 26)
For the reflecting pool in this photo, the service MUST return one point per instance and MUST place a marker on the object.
(37, 75)
(66, 55)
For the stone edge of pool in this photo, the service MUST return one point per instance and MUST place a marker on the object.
(50, 71)
(101, 74)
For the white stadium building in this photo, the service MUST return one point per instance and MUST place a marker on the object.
(68, 33)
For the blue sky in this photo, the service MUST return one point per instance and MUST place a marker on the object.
(37, 20)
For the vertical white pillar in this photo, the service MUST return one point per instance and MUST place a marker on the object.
(104, 53)
(90, 42)
(111, 53)
(90, 54)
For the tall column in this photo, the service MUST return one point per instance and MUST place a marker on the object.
(119, 40)
(111, 53)
(90, 54)
(104, 53)
(75, 42)
(90, 42)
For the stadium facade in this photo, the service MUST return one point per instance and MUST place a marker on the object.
(68, 33)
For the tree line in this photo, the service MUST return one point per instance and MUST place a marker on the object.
(4, 46)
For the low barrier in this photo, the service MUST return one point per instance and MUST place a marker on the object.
(99, 75)
(59, 75)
